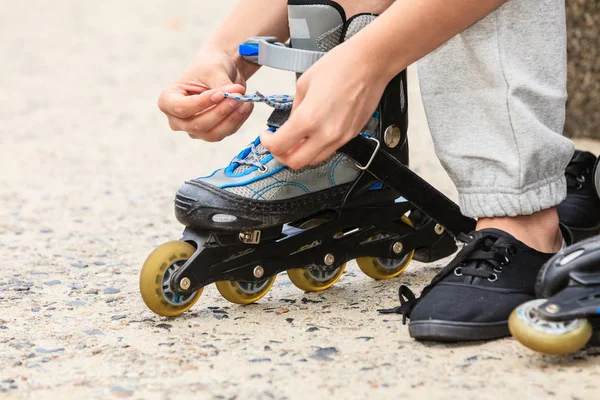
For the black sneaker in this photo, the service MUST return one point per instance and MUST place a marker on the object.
(473, 296)
(580, 211)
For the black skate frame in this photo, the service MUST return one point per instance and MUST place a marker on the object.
(348, 232)
(580, 299)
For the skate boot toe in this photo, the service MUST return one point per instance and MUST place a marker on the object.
(202, 205)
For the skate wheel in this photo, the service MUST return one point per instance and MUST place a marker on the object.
(385, 268)
(245, 292)
(155, 278)
(315, 279)
(550, 337)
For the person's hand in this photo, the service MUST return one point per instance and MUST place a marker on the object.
(334, 100)
(195, 103)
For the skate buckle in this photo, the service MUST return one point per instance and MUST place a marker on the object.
(250, 237)
(372, 156)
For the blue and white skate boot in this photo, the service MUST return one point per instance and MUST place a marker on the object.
(255, 191)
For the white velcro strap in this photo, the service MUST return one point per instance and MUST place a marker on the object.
(279, 56)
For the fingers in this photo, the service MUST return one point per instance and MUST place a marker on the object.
(304, 154)
(199, 125)
(297, 146)
(229, 125)
(325, 154)
(295, 129)
(176, 103)
(207, 115)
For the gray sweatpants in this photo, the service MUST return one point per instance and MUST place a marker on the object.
(495, 101)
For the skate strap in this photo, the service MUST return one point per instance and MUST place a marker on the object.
(411, 186)
(267, 51)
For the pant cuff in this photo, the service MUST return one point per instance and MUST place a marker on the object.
(482, 202)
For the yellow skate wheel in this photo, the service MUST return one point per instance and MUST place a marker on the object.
(549, 337)
(156, 275)
(385, 268)
(245, 292)
(316, 278)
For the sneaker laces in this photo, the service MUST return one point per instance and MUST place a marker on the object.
(485, 256)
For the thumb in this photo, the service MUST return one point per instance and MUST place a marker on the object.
(221, 80)
(233, 88)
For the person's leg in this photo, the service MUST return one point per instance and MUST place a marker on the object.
(515, 111)
(494, 97)
(495, 102)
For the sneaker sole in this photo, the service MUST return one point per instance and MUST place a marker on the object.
(451, 331)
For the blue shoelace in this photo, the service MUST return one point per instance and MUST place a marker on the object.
(252, 155)
(279, 102)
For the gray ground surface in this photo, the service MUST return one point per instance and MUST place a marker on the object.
(87, 177)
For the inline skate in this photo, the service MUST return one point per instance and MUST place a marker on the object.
(566, 316)
(580, 211)
(255, 218)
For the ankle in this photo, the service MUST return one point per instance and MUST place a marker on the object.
(539, 231)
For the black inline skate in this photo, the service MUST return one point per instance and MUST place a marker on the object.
(256, 218)
(567, 315)
(580, 211)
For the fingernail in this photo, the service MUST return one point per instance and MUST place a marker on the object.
(217, 96)
(245, 108)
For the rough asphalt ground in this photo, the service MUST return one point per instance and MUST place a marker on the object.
(87, 177)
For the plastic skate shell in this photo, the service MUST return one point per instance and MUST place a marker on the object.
(571, 281)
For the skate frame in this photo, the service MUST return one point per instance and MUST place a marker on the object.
(350, 234)
(580, 299)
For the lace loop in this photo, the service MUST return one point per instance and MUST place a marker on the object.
(407, 302)
(279, 102)
(252, 157)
